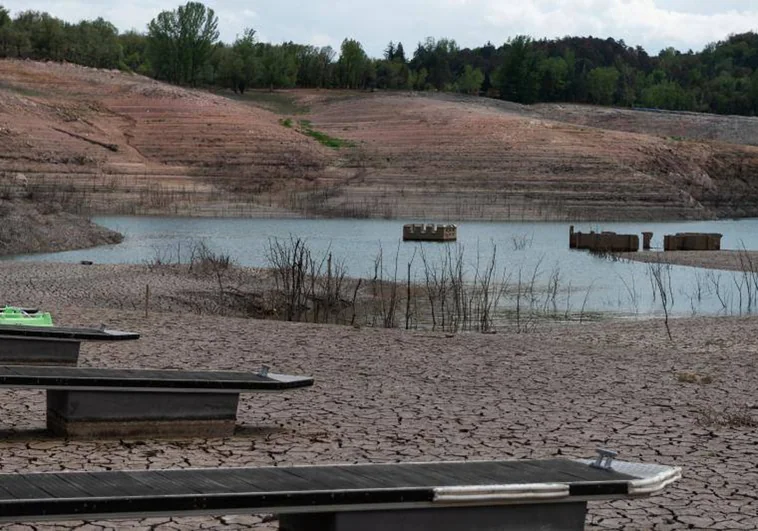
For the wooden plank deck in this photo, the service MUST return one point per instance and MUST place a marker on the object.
(58, 332)
(94, 403)
(314, 489)
(67, 378)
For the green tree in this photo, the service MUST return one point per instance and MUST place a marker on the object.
(94, 43)
(627, 85)
(352, 65)
(553, 74)
(753, 93)
(5, 17)
(44, 34)
(517, 78)
(389, 52)
(601, 84)
(326, 55)
(667, 95)
(437, 58)
(134, 51)
(163, 46)
(399, 53)
(227, 67)
(391, 74)
(6, 33)
(247, 61)
(470, 80)
(420, 79)
(180, 42)
(314, 65)
(14, 40)
(278, 67)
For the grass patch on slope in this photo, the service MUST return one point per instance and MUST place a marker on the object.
(329, 141)
(23, 91)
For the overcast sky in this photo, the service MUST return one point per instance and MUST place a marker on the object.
(652, 24)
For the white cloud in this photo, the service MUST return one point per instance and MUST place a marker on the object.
(653, 24)
(645, 22)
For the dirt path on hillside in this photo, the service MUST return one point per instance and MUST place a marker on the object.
(391, 395)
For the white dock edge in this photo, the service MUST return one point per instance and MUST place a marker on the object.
(500, 493)
(652, 478)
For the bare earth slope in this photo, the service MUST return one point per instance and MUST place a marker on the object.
(472, 158)
(676, 124)
(133, 144)
(108, 142)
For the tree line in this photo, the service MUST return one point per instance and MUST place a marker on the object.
(182, 46)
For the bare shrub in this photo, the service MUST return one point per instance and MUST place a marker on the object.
(291, 262)
(693, 377)
(740, 417)
(306, 287)
(748, 280)
(386, 291)
(162, 258)
(522, 241)
(203, 260)
(456, 303)
(660, 278)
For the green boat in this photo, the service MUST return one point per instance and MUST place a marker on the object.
(13, 316)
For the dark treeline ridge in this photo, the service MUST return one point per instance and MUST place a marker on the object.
(182, 46)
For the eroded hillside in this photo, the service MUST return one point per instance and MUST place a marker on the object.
(107, 142)
(102, 141)
(467, 158)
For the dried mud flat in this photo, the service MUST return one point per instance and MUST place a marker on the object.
(391, 395)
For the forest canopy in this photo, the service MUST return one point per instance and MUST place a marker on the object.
(182, 46)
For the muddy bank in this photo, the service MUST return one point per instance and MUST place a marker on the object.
(729, 260)
(29, 227)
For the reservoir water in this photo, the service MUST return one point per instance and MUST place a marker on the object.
(528, 250)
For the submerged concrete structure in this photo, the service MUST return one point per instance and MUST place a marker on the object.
(646, 238)
(692, 241)
(430, 233)
(603, 241)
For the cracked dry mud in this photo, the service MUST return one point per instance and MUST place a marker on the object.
(392, 395)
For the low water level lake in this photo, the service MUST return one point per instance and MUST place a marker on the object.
(529, 251)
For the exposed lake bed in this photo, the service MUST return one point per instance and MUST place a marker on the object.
(396, 395)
